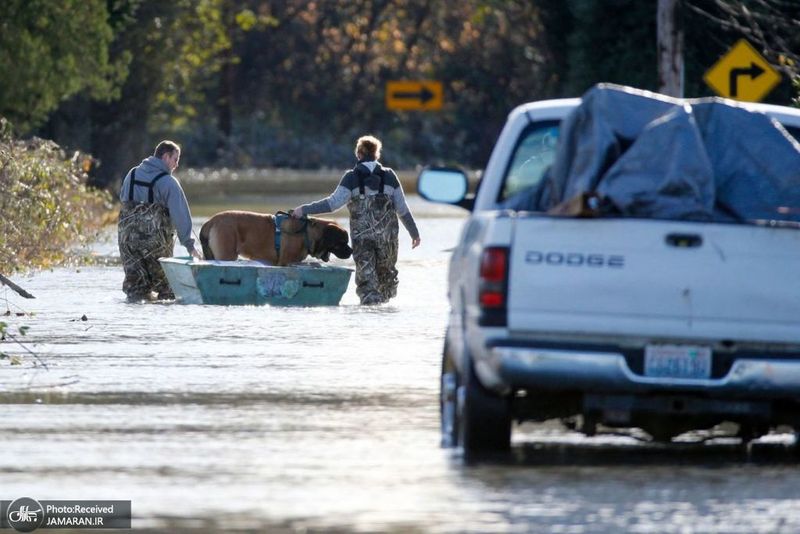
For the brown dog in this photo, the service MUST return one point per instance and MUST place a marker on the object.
(230, 234)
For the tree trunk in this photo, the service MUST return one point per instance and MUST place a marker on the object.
(226, 86)
(670, 48)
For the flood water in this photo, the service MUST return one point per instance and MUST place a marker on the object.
(270, 419)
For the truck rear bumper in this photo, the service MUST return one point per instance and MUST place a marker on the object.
(608, 372)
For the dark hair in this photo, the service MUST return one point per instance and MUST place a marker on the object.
(166, 147)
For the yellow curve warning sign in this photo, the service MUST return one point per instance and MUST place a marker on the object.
(742, 74)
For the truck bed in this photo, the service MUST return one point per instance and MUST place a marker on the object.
(662, 279)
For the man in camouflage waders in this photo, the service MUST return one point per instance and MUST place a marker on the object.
(374, 196)
(153, 206)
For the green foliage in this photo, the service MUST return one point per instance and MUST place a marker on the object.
(187, 42)
(45, 203)
(181, 53)
(191, 43)
(49, 51)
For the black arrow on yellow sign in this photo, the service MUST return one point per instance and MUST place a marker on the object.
(742, 73)
(410, 94)
(423, 95)
(754, 71)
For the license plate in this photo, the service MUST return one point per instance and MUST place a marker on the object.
(677, 361)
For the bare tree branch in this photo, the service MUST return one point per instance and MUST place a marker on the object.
(21, 292)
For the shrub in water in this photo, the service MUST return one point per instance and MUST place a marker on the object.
(45, 206)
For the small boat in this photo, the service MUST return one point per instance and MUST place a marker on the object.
(245, 282)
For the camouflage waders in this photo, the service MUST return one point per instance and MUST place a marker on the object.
(373, 230)
(145, 234)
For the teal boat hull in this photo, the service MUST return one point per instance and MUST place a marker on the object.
(252, 283)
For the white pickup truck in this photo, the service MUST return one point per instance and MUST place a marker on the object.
(661, 325)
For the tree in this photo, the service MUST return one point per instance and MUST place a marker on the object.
(670, 48)
(50, 51)
(171, 50)
(320, 76)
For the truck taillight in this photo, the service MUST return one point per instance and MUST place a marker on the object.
(493, 278)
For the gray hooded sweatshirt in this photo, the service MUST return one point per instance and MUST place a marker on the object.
(167, 192)
(348, 188)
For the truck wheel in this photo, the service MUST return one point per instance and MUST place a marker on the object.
(484, 418)
(448, 402)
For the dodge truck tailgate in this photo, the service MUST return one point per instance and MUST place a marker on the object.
(663, 279)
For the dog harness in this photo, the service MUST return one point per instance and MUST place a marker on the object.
(282, 216)
(150, 185)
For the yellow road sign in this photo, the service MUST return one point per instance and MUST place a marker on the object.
(414, 95)
(742, 74)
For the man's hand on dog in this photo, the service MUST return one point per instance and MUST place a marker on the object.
(297, 213)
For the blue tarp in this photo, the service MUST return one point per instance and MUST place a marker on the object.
(648, 155)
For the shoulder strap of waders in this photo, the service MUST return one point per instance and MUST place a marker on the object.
(361, 174)
(381, 173)
(362, 177)
(132, 183)
(149, 185)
